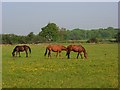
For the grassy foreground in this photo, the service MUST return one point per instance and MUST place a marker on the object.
(36, 71)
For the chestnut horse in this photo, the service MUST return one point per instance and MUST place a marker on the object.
(76, 48)
(19, 49)
(54, 48)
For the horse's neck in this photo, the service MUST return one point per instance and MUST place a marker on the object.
(14, 51)
(63, 48)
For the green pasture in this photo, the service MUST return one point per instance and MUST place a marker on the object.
(100, 70)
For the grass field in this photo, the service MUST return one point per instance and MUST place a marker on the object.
(36, 71)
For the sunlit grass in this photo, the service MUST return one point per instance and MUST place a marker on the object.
(37, 71)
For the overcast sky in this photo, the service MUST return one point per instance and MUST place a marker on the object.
(21, 18)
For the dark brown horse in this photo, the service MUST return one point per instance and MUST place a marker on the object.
(54, 48)
(19, 49)
(76, 48)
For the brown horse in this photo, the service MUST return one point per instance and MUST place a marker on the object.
(76, 48)
(54, 48)
(19, 49)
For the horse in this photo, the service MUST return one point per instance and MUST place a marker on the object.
(76, 48)
(54, 48)
(19, 49)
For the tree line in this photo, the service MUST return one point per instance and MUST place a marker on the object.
(52, 33)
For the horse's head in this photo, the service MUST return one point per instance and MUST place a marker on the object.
(13, 54)
(64, 48)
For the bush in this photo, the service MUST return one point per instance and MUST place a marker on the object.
(92, 40)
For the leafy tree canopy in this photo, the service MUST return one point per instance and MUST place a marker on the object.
(50, 32)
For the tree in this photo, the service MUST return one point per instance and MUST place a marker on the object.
(30, 37)
(9, 39)
(50, 32)
(117, 36)
(22, 39)
(63, 34)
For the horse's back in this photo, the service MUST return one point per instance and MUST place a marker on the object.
(54, 47)
(75, 47)
(21, 48)
(16, 47)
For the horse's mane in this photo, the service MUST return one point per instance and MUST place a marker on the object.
(14, 49)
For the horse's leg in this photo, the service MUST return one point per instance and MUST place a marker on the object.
(19, 54)
(78, 55)
(26, 53)
(81, 56)
(57, 53)
(16, 53)
(49, 54)
(68, 54)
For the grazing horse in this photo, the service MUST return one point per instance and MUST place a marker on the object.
(54, 48)
(76, 48)
(19, 49)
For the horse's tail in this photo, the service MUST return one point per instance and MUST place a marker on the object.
(45, 52)
(85, 53)
(29, 49)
